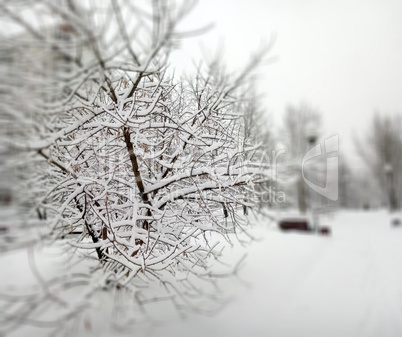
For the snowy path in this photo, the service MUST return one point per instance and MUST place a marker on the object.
(345, 285)
(349, 285)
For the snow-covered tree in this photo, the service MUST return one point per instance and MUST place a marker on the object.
(257, 130)
(299, 122)
(381, 151)
(152, 172)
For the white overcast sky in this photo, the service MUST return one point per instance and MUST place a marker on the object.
(344, 56)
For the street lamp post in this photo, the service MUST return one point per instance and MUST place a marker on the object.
(390, 188)
(311, 133)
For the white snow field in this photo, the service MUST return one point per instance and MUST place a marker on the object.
(348, 284)
(345, 285)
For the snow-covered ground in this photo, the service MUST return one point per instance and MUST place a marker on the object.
(346, 284)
